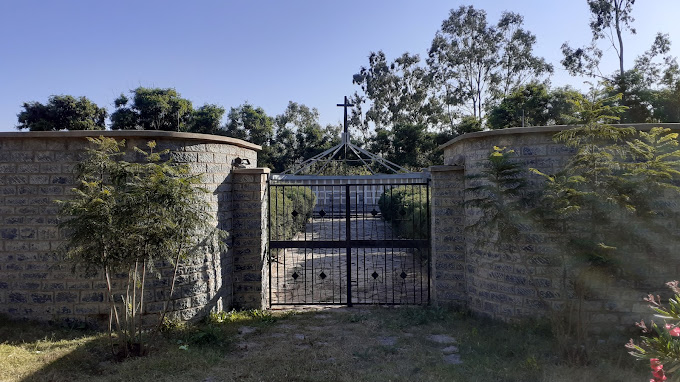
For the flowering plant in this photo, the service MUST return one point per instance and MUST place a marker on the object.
(661, 344)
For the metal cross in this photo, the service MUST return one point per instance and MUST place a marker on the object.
(345, 105)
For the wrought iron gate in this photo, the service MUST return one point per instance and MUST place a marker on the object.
(351, 243)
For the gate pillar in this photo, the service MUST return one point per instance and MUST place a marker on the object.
(448, 236)
(249, 238)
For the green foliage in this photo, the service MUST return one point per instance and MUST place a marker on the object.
(241, 316)
(400, 93)
(152, 109)
(62, 112)
(661, 344)
(283, 201)
(249, 123)
(533, 105)
(499, 194)
(406, 208)
(124, 217)
(613, 177)
(299, 136)
(253, 125)
(473, 63)
(206, 119)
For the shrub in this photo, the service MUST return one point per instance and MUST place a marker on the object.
(661, 345)
(124, 217)
(406, 208)
(290, 207)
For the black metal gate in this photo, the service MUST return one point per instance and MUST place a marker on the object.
(350, 243)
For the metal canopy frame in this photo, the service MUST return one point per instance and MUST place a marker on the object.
(370, 161)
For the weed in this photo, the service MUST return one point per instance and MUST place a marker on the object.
(255, 315)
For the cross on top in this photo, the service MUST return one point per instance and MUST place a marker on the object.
(346, 104)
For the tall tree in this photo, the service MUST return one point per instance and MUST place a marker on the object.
(474, 63)
(62, 112)
(253, 125)
(152, 109)
(206, 119)
(399, 92)
(609, 21)
(533, 105)
(250, 123)
(299, 136)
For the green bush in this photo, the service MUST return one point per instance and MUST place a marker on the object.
(283, 201)
(406, 208)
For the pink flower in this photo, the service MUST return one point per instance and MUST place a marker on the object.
(673, 330)
(657, 370)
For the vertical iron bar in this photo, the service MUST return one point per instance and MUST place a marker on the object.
(413, 218)
(304, 232)
(363, 235)
(429, 235)
(392, 244)
(385, 228)
(348, 228)
(283, 199)
(269, 235)
(333, 238)
(356, 230)
(420, 212)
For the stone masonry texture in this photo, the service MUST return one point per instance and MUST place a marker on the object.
(519, 281)
(37, 283)
(249, 232)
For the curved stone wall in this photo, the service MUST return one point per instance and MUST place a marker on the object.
(519, 282)
(37, 167)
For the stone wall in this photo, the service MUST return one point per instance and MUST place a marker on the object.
(520, 281)
(37, 168)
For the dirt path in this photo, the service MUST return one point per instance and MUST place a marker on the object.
(319, 275)
(324, 343)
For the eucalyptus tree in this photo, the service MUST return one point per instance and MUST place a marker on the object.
(534, 104)
(152, 109)
(249, 123)
(610, 21)
(473, 63)
(62, 112)
(299, 136)
(206, 119)
(253, 125)
(400, 92)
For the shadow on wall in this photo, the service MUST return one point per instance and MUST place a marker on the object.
(222, 278)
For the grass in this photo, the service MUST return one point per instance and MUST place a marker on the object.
(345, 344)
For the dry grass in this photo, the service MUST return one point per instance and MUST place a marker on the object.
(357, 344)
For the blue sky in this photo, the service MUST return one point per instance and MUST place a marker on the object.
(263, 52)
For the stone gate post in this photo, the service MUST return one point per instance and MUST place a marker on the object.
(249, 232)
(448, 239)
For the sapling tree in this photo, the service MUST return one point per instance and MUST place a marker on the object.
(499, 193)
(124, 218)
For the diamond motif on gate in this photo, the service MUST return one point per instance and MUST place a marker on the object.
(402, 212)
(374, 275)
(322, 213)
(322, 275)
(403, 275)
(295, 276)
(294, 213)
(374, 212)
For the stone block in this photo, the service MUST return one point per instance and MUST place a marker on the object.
(66, 297)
